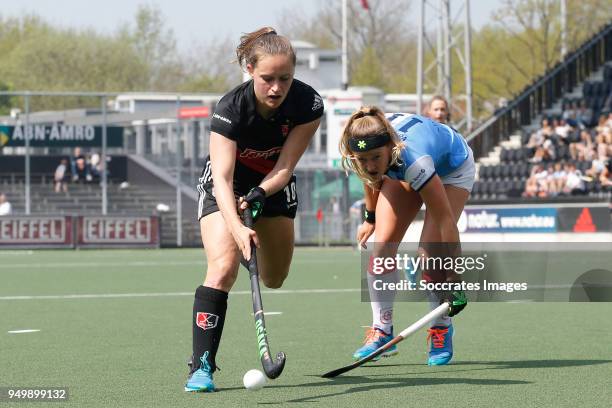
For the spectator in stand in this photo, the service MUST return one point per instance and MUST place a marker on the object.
(536, 183)
(544, 153)
(559, 177)
(542, 179)
(574, 184)
(5, 205)
(79, 166)
(563, 130)
(536, 139)
(60, 177)
(601, 157)
(605, 178)
(584, 115)
(95, 166)
(82, 170)
(551, 185)
(76, 157)
(577, 150)
(570, 114)
(547, 130)
(437, 109)
(602, 124)
(609, 121)
(531, 187)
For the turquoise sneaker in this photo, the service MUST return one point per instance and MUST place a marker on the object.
(375, 338)
(441, 346)
(201, 380)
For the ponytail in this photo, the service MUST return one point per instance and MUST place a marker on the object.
(264, 41)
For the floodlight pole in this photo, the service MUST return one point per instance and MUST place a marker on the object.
(563, 29)
(104, 180)
(179, 198)
(436, 77)
(344, 45)
(27, 153)
(420, 61)
(467, 38)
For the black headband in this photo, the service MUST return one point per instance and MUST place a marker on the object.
(369, 142)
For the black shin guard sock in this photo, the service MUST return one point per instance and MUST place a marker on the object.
(209, 308)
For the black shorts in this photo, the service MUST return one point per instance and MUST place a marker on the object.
(283, 203)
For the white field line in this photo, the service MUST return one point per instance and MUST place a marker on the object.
(23, 331)
(173, 294)
(65, 265)
(271, 313)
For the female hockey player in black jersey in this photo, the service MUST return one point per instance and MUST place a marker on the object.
(259, 131)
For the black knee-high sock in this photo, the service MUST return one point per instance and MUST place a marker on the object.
(209, 308)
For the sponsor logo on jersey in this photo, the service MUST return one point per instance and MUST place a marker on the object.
(206, 321)
(318, 103)
(418, 177)
(260, 154)
(222, 118)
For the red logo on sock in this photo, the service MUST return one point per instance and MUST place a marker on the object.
(584, 223)
(206, 320)
(386, 316)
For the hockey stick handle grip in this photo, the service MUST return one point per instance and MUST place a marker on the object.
(247, 218)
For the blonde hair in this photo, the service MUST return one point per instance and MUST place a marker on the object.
(262, 42)
(367, 121)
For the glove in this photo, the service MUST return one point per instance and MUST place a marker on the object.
(457, 300)
(256, 200)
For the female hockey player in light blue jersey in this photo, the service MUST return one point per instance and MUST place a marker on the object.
(404, 161)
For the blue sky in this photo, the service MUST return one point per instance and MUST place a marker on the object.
(193, 21)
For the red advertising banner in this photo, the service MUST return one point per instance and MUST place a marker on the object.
(34, 231)
(117, 231)
(194, 112)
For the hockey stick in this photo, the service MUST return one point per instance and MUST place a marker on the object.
(423, 321)
(272, 368)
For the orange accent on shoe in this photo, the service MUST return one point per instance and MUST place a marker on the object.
(437, 336)
(372, 334)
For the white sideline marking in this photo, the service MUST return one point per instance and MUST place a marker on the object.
(99, 264)
(64, 265)
(23, 331)
(8, 252)
(172, 294)
(270, 313)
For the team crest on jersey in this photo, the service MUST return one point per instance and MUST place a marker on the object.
(206, 321)
(318, 103)
(284, 130)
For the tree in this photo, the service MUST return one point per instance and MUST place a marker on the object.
(154, 44)
(379, 33)
(211, 67)
(5, 101)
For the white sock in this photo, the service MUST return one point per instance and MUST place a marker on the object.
(382, 302)
(434, 302)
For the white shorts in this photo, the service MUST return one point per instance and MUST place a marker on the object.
(464, 176)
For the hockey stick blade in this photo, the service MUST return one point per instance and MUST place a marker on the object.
(416, 326)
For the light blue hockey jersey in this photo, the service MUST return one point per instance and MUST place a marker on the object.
(430, 148)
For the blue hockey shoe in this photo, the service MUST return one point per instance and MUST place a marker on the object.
(201, 380)
(375, 338)
(441, 345)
